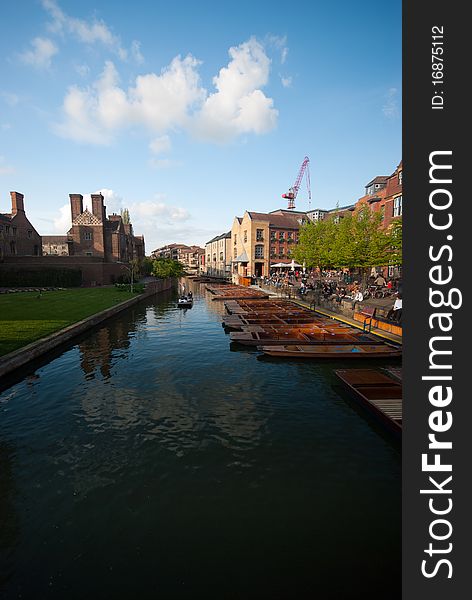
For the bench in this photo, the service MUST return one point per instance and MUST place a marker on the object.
(368, 312)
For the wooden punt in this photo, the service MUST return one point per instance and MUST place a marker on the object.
(378, 392)
(306, 337)
(331, 351)
(246, 324)
(225, 292)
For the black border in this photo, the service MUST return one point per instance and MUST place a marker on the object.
(426, 130)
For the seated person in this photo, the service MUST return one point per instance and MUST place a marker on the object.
(380, 280)
(395, 313)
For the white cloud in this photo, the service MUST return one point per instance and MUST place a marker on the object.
(286, 81)
(175, 99)
(158, 208)
(9, 98)
(5, 169)
(160, 144)
(280, 44)
(62, 223)
(88, 32)
(136, 52)
(238, 106)
(83, 70)
(164, 163)
(43, 49)
(158, 102)
(390, 108)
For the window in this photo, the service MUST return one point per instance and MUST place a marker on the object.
(259, 252)
(208, 258)
(7, 229)
(397, 206)
(400, 177)
(14, 231)
(30, 234)
(235, 253)
(235, 239)
(88, 235)
(245, 235)
(221, 256)
(272, 236)
(88, 254)
(290, 237)
(281, 235)
(259, 235)
(382, 212)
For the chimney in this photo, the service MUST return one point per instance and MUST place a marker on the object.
(17, 203)
(97, 207)
(76, 205)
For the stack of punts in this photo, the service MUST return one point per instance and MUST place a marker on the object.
(225, 292)
(309, 334)
(287, 330)
(380, 393)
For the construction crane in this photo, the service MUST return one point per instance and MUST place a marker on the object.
(293, 191)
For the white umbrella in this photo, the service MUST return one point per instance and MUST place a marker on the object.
(294, 264)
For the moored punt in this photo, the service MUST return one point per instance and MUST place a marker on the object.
(331, 351)
(236, 323)
(308, 337)
(225, 292)
(377, 392)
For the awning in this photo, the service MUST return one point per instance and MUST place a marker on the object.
(241, 258)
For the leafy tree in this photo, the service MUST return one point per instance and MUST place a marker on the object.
(125, 216)
(396, 238)
(166, 267)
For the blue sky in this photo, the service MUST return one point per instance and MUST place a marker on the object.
(190, 113)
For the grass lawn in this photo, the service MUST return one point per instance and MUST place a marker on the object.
(25, 318)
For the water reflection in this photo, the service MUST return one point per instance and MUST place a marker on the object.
(149, 452)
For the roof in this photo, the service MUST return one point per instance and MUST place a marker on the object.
(223, 236)
(378, 179)
(242, 257)
(285, 221)
(55, 239)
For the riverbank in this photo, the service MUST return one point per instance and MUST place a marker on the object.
(34, 324)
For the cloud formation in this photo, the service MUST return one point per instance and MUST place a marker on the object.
(390, 108)
(41, 53)
(89, 31)
(175, 99)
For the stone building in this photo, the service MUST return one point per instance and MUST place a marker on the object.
(218, 256)
(95, 234)
(17, 236)
(261, 239)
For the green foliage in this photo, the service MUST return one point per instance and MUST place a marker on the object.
(166, 267)
(396, 242)
(357, 240)
(125, 216)
(138, 288)
(12, 277)
(146, 266)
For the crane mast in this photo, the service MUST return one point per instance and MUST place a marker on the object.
(293, 191)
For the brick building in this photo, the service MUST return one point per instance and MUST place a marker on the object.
(17, 236)
(95, 234)
(191, 257)
(56, 245)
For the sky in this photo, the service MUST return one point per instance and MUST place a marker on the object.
(190, 113)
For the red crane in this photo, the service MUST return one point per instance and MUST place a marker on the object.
(293, 191)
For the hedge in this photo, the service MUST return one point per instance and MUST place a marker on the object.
(41, 278)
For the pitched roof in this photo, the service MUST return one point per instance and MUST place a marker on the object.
(286, 220)
(378, 179)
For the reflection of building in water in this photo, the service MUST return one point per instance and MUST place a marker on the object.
(97, 350)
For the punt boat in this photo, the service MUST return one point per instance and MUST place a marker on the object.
(376, 391)
(331, 351)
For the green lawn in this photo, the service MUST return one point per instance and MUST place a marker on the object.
(25, 318)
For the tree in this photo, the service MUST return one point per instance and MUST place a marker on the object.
(166, 267)
(125, 216)
(396, 242)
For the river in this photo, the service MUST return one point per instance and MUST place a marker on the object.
(152, 460)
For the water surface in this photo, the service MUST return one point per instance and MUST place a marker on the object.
(151, 460)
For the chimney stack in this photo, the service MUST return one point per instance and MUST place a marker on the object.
(97, 207)
(17, 203)
(76, 205)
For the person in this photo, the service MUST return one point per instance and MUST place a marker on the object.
(380, 280)
(190, 295)
(395, 313)
(358, 297)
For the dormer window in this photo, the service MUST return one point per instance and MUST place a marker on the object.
(400, 177)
